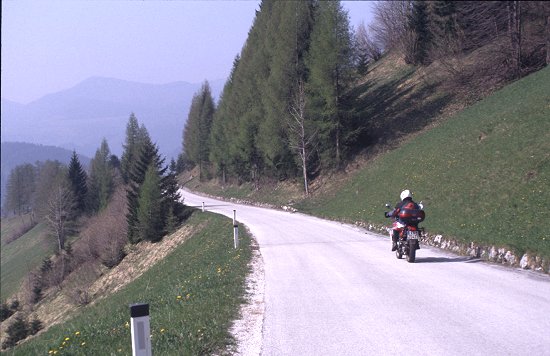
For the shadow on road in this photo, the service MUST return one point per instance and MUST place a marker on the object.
(447, 259)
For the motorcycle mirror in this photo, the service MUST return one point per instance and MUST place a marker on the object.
(421, 205)
(388, 205)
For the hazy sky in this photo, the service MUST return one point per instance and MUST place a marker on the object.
(52, 45)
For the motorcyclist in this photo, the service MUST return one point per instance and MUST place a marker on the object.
(405, 203)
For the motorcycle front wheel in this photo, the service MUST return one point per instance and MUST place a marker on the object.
(399, 252)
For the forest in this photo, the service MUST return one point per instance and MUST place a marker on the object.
(290, 107)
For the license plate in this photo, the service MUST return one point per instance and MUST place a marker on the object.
(412, 235)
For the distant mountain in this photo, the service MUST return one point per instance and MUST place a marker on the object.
(80, 117)
(17, 153)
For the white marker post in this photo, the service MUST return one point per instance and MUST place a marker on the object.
(203, 207)
(141, 341)
(235, 230)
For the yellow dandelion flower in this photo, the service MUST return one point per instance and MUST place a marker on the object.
(55, 352)
(178, 297)
(119, 350)
(77, 333)
(161, 330)
(127, 325)
(67, 339)
(83, 343)
(50, 352)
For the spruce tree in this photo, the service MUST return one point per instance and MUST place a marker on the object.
(196, 136)
(78, 180)
(101, 178)
(330, 64)
(131, 149)
(148, 156)
(149, 207)
(221, 132)
(419, 23)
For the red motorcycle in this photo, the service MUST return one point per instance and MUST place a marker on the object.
(406, 223)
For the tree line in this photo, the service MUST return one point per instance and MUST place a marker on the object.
(59, 195)
(286, 109)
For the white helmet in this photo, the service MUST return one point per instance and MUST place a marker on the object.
(405, 194)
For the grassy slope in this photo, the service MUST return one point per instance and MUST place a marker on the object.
(21, 256)
(205, 272)
(484, 174)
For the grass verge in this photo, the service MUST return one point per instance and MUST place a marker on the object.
(194, 294)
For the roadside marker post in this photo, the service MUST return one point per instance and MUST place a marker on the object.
(203, 207)
(141, 341)
(235, 230)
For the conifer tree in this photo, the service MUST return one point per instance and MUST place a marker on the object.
(330, 64)
(196, 136)
(149, 206)
(78, 180)
(220, 155)
(419, 23)
(166, 205)
(101, 178)
(131, 149)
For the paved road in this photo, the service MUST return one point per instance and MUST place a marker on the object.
(333, 289)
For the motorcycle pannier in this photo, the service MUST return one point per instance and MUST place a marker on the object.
(412, 216)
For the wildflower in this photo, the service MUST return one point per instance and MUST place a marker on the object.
(127, 325)
(67, 339)
(161, 330)
(178, 297)
(77, 333)
(83, 343)
(50, 352)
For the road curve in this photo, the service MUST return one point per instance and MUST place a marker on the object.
(334, 289)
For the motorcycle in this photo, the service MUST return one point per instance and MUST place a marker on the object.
(409, 233)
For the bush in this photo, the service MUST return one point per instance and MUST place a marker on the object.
(5, 311)
(17, 331)
(20, 329)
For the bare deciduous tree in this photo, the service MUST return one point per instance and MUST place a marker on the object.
(367, 50)
(61, 213)
(390, 26)
(300, 136)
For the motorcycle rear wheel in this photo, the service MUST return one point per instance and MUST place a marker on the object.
(411, 256)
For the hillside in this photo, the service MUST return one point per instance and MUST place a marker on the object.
(480, 170)
(193, 280)
(99, 107)
(481, 174)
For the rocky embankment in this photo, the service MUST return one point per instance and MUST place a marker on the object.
(494, 254)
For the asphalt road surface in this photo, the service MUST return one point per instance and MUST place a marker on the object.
(334, 289)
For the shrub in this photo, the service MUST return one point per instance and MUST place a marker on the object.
(5, 311)
(18, 330)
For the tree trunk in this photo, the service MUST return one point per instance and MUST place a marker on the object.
(546, 7)
(514, 31)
